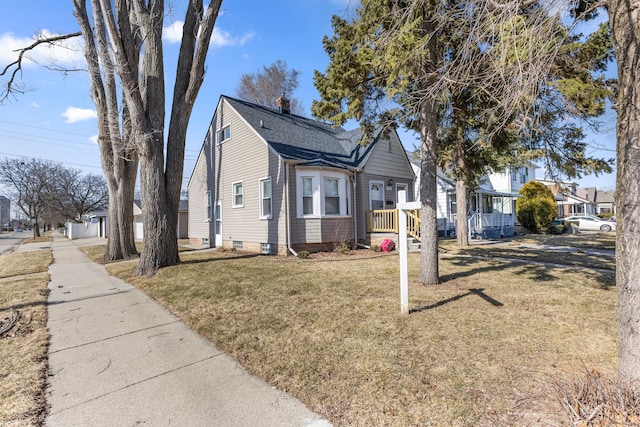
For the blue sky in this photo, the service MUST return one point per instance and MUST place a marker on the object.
(55, 119)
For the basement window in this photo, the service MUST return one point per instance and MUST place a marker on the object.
(237, 245)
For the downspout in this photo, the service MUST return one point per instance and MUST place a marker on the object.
(354, 183)
(287, 210)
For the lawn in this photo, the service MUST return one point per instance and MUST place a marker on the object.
(486, 347)
(23, 348)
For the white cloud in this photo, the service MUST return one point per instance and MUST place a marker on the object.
(65, 53)
(74, 114)
(173, 33)
(34, 104)
(94, 139)
(221, 38)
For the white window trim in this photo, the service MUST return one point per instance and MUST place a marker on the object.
(383, 185)
(220, 131)
(208, 206)
(233, 194)
(262, 215)
(318, 176)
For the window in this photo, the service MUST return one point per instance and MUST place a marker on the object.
(487, 204)
(322, 193)
(331, 196)
(307, 196)
(524, 174)
(207, 206)
(238, 198)
(237, 245)
(224, 134)
(265, 198)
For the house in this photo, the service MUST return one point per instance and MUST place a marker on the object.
(272, 182)
(183, 220)
(490, 207)
(570, 200)
(605, 202)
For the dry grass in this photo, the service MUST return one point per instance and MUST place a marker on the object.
(605, 241)
(96, 252)
(482, 349)
(41, 239)
(18, 264)
(23, 350)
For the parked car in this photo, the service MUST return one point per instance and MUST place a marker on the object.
(590, 222)
(18, 230)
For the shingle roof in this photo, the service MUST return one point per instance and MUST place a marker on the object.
(299, 138)
(605, 197)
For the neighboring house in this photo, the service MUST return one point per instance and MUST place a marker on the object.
(272, 182)
(183, 220)
(490, 210)
(605, 202)
(569, 199)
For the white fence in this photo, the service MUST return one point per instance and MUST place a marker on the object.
(82, 230)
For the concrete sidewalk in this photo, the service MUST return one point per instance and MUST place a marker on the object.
(117, 358)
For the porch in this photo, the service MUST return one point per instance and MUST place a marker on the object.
(481, 225)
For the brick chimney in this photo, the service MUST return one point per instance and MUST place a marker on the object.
(283, 104)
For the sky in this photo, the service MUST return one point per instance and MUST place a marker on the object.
(55, 118)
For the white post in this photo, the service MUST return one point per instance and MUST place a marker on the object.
(402, 244)
(403, 206)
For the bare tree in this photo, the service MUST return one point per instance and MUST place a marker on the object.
(264, 87)
(33, 186)
(624, 18)
(83, 193)
(123, 46)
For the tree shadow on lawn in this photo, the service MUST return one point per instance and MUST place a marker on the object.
(473, 291)
(538, 272)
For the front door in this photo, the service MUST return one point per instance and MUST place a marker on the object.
(218, 225)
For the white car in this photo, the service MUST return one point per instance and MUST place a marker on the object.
(593, 223)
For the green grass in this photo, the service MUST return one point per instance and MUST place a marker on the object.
(483, 348)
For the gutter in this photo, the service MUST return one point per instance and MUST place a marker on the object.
(286, 208)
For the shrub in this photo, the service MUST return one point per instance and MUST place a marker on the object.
(343, 248)
(375, 248)
(558, 227)
(536, 209)
(303, 254)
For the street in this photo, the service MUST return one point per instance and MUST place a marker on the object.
(9, 239)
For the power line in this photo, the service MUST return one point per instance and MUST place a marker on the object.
(49, 160)
(47, 129)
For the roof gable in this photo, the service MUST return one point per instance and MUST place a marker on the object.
(298, 138)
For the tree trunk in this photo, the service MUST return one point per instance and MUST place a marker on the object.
(160, 246)
(624, 17)
(121, 244)
(428, 196)
(462, 224)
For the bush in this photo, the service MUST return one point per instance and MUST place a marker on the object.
(536, 209)
(558, 227)
(375, 248)
(343, 248)
(303, 254)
